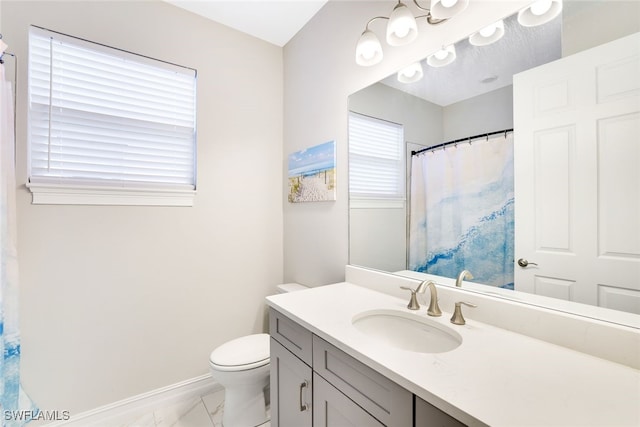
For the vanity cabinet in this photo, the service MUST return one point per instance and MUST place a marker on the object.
(290, 376)
(331, 408)
(428, 415)
(290, 383)
(391, 404)
(315, 383)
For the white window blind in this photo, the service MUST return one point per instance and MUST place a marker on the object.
(376, 158)
(103, 118)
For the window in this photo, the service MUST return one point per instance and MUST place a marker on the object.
(107, 126)
(376, 158)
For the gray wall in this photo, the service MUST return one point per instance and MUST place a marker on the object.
(590, 23)
(377, 231)
(117, 301)
(489, 112)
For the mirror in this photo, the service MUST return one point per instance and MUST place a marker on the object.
(453, 108)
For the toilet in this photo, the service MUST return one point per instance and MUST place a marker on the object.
(241, 366)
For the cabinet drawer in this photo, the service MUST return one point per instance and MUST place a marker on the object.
(292, 336)
(391, 404)
(333, 409)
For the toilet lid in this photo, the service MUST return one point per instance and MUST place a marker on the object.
(248, 350)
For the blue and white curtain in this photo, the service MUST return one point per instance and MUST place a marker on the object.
(12, 400)
(462, 211)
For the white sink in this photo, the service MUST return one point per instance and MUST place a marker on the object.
(407, 331)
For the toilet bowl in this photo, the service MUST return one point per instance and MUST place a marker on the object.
(242, 366)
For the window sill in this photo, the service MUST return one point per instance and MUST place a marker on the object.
(53, 194)
(376, 203)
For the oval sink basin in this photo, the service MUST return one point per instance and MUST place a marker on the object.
(407, 331)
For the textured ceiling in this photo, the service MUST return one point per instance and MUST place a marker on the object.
(520, 49)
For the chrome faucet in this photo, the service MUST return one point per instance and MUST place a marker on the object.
(434, 309)
(465, 274)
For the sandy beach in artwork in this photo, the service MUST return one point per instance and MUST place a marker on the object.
(313, 188)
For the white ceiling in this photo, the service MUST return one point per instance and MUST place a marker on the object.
(275, 21)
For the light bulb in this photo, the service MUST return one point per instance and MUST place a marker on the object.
(441, 54)
(448, 3)
(411, 74)
(488, 31)
(401, 30)
(541, 7)
(368, 51)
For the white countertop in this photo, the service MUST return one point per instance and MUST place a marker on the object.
(496, 377)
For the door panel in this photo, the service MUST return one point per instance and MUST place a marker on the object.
(577, 177)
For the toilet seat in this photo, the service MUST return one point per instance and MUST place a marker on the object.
(241, 354)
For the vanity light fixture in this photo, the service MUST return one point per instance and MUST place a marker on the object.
(402, 29)
(369, 49)
(445, 9)
(411, 74)
(444, 56)
(489, 34)
(539, 13)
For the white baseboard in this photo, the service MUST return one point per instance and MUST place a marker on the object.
(141, 404)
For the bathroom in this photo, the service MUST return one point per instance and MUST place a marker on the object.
(118, 301)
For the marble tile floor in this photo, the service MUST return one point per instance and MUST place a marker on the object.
(205, 411)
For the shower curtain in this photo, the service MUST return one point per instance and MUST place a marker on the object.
(11, 396)
(461, 214)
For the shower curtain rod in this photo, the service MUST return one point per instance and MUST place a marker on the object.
(467, 139)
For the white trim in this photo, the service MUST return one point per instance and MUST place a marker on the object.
(141, 404)
(52, 194)
(376, 204)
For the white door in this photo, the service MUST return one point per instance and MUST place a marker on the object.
(577, 177)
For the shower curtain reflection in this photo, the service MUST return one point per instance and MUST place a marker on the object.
(462, 209)
(12, 399)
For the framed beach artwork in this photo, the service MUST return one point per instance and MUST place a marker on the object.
(312, 174)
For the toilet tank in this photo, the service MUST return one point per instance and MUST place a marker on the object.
(290, 287)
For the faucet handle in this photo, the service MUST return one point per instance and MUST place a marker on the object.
(413, 302)
(457, 318)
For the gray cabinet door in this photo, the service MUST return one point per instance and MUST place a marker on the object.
(428, 415)
(291, 389)
(331, 408)
(389, 403)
